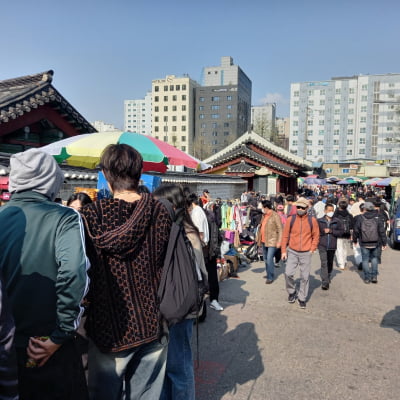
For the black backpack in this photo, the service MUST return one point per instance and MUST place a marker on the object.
(180, 293)
(345, 224)
(369, 229)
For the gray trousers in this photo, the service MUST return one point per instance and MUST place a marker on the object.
(301, 260)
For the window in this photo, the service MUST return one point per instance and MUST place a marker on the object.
(229, 98)
(320, 142)
(363, 108)
(336, 132)
(321, 132)
(295, 113)
(349, 142)
(156, 88)
(183, 108)
(351, 100)
(165, 138)
(296, 93)
(174, 97)
(322, 102)
(295, 123)
(155, 119)
(174, 118)
(215, 133)
(156, 129)
(389, 150)
(184, 97)
(201, 99)
(295, 104)
(174, 128)
(364, 98)
(214, 116)
(310, 92)
(166, 88)
(165, 108)
(349, 152)
(350, 122)
(336, 142)
(201, 116)
(351, 111)
(183, 87)
(214, 125)
(346, 170)
(215, 98)
(363, 130)
(174, 108)
(203, 125)
(321, 113)
(337, 91)
(389, 128)
(322, 92)
(337, 111)
(351, 90)
(177, 87)
(321, 122)
(183, 148)
(165, 128)
(363, 119)
(214, 142)
(310, 122)
(165, 98)
(171, 88)
(228, 115)
(335, 152)
(165, 118)
(361, 151)
(226, 124)
(183, 128)
(362, 140)
(349, 131)
(320, 152)
(229, 106)
(310, 102)
(337, 101)
(294, 143)
(156, 98)
(309, 152)
(364, 87)
(183, 138)
(226, 133)
(295, 133)
(156, 109)
(391, 85)
(183, 117)
(201, 108)
(215, 107)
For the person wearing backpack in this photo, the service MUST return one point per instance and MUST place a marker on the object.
(179, 375)
(369, 232)
(329, 229)
(346, 220)
(299, 241)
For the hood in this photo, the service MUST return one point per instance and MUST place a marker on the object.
(371, 214)
(342, 213)
(119, 227)
(36, 171)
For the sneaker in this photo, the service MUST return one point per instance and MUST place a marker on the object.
(325, 286)
(374, 280)
(367, 281)
(292, 297)
(302, 304)
(359, 266)
(216, 306)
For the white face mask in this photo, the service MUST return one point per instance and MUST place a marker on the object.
(330, 214)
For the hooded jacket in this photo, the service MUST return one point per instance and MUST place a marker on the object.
(340, 215)
(357, 232)
(126, 246)
(329, 240)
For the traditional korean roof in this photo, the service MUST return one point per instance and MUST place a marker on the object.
(241, 167)
(21, 95)
(238, 147)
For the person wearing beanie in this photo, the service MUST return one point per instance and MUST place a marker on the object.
(44, 268)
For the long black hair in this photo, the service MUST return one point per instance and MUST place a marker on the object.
(174, 194)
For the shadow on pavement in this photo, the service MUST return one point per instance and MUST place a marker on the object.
(229, 353)
(392, 319)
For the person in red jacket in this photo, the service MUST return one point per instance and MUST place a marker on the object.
(299, 241)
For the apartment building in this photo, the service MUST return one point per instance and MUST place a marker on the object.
(263, 120)
(137, 115)
(172, 111)
(346, 118)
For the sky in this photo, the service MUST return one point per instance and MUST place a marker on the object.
(106, 51)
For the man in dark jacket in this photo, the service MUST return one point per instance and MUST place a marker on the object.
(329, 229)
(44, 267)
(346, 220)
(369, 231)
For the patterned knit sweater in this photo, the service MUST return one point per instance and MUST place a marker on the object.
(126, 244)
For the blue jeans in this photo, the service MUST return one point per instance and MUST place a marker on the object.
(268, 254)
(179, 376)
(133, 374)
(367, 256)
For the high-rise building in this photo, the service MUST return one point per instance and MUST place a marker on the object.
(222, 108)
(263, 120)
(102, 126)
(137, 115)
(346, 118)
(282, 126)
(172, 109)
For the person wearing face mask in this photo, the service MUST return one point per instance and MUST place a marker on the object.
(329, 229)
(299, 241)
(270, 235)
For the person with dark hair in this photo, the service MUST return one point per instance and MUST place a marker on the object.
(143, 189)
(346, 220)
(78, 200)
(127, 238)
(179, 376)
(205, 198)
(356, 246)
(329, 230)
(44, 269)
(290, 208)
(269, 236)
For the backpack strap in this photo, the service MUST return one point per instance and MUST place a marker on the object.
(293, 218)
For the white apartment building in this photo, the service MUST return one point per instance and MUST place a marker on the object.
(102, 126)
(137, 115)
(346, 118)
(173, 111)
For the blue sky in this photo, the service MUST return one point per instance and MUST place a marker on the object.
(103, 52)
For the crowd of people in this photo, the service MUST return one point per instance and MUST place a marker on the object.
(79, 312)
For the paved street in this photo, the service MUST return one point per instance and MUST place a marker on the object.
(345, 345)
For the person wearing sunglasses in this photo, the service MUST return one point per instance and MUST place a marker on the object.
(299, 241)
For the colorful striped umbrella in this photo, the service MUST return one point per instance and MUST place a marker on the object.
(85, 150)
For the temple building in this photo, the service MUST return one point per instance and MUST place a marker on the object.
(267, 168)
(33, 113)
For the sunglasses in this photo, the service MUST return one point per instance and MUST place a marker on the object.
(301, 208)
